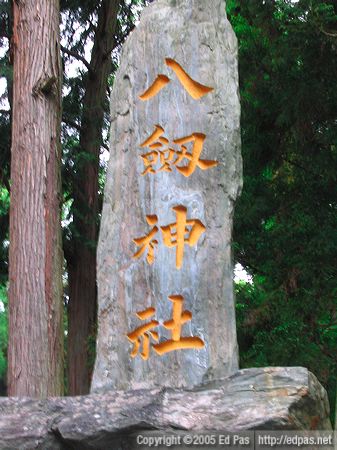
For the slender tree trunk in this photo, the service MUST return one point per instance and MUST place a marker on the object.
(35, 352)
(82, 263)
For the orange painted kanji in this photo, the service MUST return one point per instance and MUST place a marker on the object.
(168, 156)
(177, 342)
(193, 228)
(143, 334)
(196, 90)
(155, 87)
(194, 156)
(162, 156)
(147, 242)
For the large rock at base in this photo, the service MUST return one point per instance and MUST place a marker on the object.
(268, 398)
(199, 37)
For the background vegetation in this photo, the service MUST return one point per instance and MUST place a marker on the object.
(285, 221)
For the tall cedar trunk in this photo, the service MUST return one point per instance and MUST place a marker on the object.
(82, 263)
(35, 350)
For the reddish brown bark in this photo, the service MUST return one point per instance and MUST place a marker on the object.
(82, 261)
(35, 351)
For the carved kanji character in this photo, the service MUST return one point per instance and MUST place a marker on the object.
(196, 90)
(174, 233)
(179, 317)
(142, 334)
(194, 156)
(166, 157)
(147, 242)
(151, 140)
(158, 145)
(150, 160)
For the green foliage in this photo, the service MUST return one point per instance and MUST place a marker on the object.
(3, 331)
(274, 330)
(285, 221)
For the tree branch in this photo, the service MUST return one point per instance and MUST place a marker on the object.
(71, 124)
(111, 49)
(77, 56)
(105, 146)
(327, 33)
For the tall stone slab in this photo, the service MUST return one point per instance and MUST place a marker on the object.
(174, 171)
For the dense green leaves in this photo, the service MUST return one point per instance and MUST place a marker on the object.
(286, 220)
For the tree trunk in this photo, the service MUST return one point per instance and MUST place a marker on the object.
(35, 352)
(82, 262)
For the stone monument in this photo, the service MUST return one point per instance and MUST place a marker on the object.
(166, 309)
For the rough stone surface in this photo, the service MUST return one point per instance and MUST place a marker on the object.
(199, 37)
(267, 399)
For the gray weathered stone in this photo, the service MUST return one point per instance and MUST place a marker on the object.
(199, 37)
(273, 398)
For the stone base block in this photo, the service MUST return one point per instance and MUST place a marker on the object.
(273, 398)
